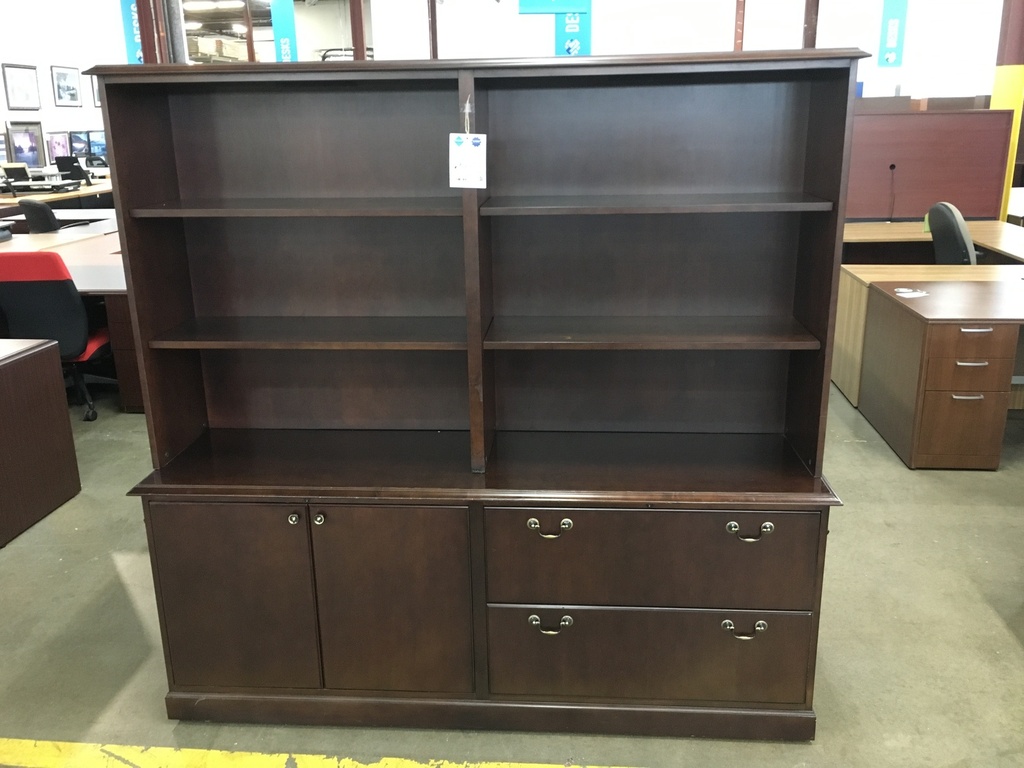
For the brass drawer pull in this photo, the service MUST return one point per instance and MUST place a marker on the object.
(976, 330)
(728, 626)
(565, 623)
(733, 527)
(963, 364)
(534, 525)
(968, 397)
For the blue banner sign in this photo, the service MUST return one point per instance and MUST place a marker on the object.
(554, 6)
(132, 34)
(572, 34)
(894, 23)
(282, 19)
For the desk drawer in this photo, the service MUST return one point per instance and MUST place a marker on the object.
(628, 653)
(652, 558)
(962, 423)
(972, 341)
(980, 375)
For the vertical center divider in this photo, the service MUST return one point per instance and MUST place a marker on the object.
(479, 303)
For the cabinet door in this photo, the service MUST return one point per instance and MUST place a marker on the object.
(394, 597)
(235, 586)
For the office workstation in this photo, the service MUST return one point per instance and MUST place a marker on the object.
(549, 455)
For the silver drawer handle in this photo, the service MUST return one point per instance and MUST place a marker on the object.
(968, 397)
(976, 330)
(963, 364)
(733, 527)
(565, 623)
(319, 519)
(293, 518)
(728, 626)
(534, 525)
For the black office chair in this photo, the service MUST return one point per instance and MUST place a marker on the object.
(950, 237)
(39, 217)
(39, 300)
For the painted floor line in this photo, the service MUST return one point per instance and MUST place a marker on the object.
(26, 753)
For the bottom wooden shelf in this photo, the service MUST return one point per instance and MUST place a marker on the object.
(759, 469)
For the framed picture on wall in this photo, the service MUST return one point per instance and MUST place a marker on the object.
(67, 87)
(95, 90)
(3, 147)
(25, 144)
(57, 145)
(21, 86)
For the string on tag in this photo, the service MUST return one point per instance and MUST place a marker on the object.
(467, 111)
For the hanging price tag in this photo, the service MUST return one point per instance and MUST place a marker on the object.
(467, 160)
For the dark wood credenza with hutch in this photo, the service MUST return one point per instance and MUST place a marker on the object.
(542, 456)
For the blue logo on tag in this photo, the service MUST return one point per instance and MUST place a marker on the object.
(476, 141)
(458, 141)
(572, 47)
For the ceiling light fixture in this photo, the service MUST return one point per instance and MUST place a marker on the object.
(192, 26)
(239, 28)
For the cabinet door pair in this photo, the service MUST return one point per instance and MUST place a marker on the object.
(282, 595)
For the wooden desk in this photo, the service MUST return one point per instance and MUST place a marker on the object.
(854, 281)
(38, 466)
(911, 244)
(93, 196)
(937, 368)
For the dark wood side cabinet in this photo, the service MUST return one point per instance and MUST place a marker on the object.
(541, 456)
(38, 466)
(938, 363)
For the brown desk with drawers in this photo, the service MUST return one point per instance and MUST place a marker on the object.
(938, 361)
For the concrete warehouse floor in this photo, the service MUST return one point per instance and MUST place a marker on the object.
(920, 660)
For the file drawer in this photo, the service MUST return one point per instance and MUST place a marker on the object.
(678, 655)
(983, 375)
(652, 558)
(972, 340)
(962, 424)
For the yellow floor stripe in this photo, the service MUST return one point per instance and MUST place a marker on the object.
(24, 753)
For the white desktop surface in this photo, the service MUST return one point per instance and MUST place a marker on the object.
(92, 257)
(74, 214)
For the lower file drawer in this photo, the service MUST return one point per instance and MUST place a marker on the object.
(962, 423)
(652, 654)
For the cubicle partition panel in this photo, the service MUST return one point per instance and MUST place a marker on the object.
(903, 163)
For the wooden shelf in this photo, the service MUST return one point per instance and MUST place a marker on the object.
(393, 333)
(573, 467)
(557, 205)
(302, 206)
(679, 333)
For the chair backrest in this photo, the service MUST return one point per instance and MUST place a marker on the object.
(950, 237)
(39, 300)
(39, 216)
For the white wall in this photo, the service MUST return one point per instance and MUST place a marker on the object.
(401, 29)
(950, 45)
(88, 33)
(949, 49)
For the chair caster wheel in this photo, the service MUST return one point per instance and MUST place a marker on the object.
(90, 415)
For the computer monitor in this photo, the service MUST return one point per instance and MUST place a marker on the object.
(79, 142)
(16, 171)
(70, 168)
(98, 143)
